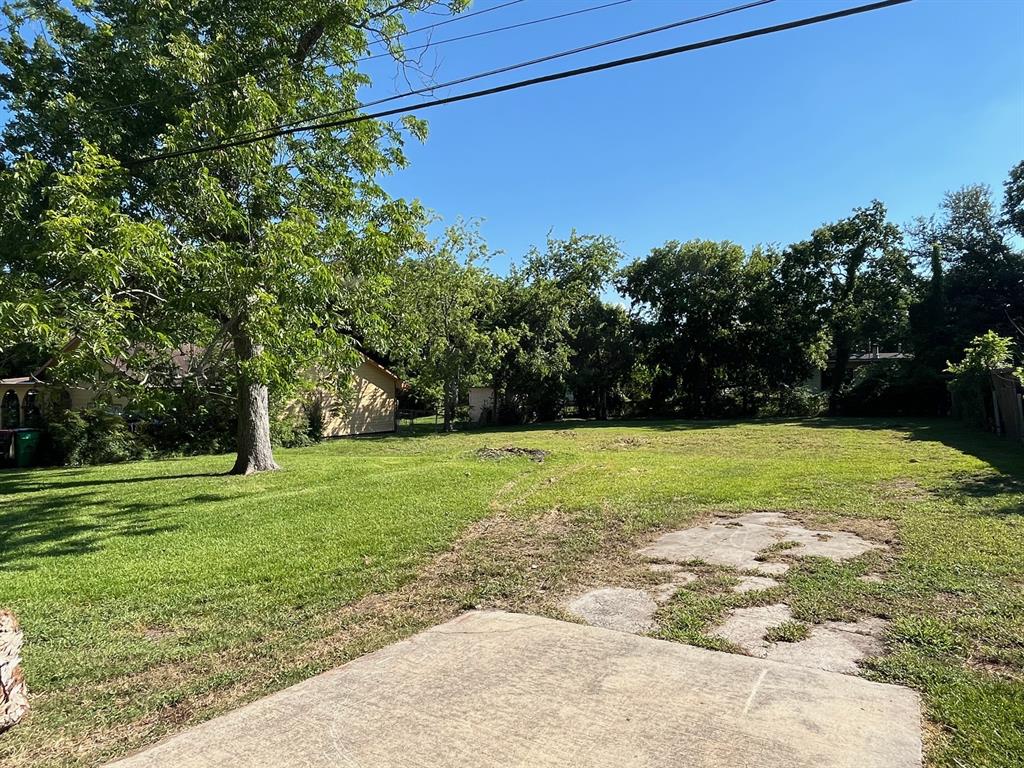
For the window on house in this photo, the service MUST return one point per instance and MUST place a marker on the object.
(33, 414)
(10, 410)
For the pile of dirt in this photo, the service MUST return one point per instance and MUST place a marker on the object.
(509, 451)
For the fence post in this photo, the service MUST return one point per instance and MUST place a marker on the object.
(1020, 413)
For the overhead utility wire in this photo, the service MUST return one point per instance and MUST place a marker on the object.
(651, 56)
(502, 70)
(229, 80)
(483, 32)
(458, 17)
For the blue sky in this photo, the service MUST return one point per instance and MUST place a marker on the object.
(758, 141)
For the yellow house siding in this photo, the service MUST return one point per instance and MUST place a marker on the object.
(81, 398)
(369, 408)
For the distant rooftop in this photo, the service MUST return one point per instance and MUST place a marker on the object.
(21, 380)
(869, 357)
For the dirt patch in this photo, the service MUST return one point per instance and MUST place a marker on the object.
(511, 451)
(878, 530)
(1000, 669)
(156, 634)
(628, 442)
(903, 489)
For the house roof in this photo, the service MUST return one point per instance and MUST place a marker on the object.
(381, 367)
(30, 379)
(870, 357)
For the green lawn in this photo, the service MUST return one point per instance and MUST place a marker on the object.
(160, 593)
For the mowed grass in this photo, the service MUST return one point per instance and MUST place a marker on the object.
(157, 594)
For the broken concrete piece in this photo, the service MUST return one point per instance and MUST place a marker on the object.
(624, 610)
(666, 568)
(664, 592)
(754, 584)
(871, 578)
(678, 577)
(737, 543)
(746, 627)
(833, 646)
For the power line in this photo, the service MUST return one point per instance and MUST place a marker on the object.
(459, 17)
(500, 29)
(230, 80)
(651, 56)
(511, 67)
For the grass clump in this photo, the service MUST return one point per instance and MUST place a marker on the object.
(788, 632)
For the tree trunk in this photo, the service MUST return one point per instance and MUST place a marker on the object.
(839, 366)
(450, 393)
(13, 693)
(255, 453)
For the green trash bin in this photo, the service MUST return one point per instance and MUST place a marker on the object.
(26, 444)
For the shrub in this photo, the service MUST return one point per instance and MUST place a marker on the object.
(91, 436)
(291, 431)
(795, 401)
(189, 421)
(972, 377)
(902, 388)
(316, 409)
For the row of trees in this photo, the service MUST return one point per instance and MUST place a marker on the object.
(709, 329)
(275, 257)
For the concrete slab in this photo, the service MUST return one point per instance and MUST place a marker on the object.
(624, 610)
(746, 627)
(678, 577)
(834, 646)
(737, 543)
(671, 568)
(664, 592)
(496, 689)
(754, 584)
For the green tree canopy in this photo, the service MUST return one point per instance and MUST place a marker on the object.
(537, 317)
(269, 253)
(863, 279)
(444, 301)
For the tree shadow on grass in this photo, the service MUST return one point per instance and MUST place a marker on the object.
(564, 425)
(1001, 487)
(46, 521)
(41, 480)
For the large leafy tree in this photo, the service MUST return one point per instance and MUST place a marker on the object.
(862, 276)
(688, 296)
(1013, 200)
(603, 357)
(983, 280)
(445, 299)
(725, 331)
(537, 316)
(270, 253)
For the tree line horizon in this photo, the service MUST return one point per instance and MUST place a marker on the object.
(710, 329)
(281, 257)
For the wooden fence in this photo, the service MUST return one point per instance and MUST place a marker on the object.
(1008, 406)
